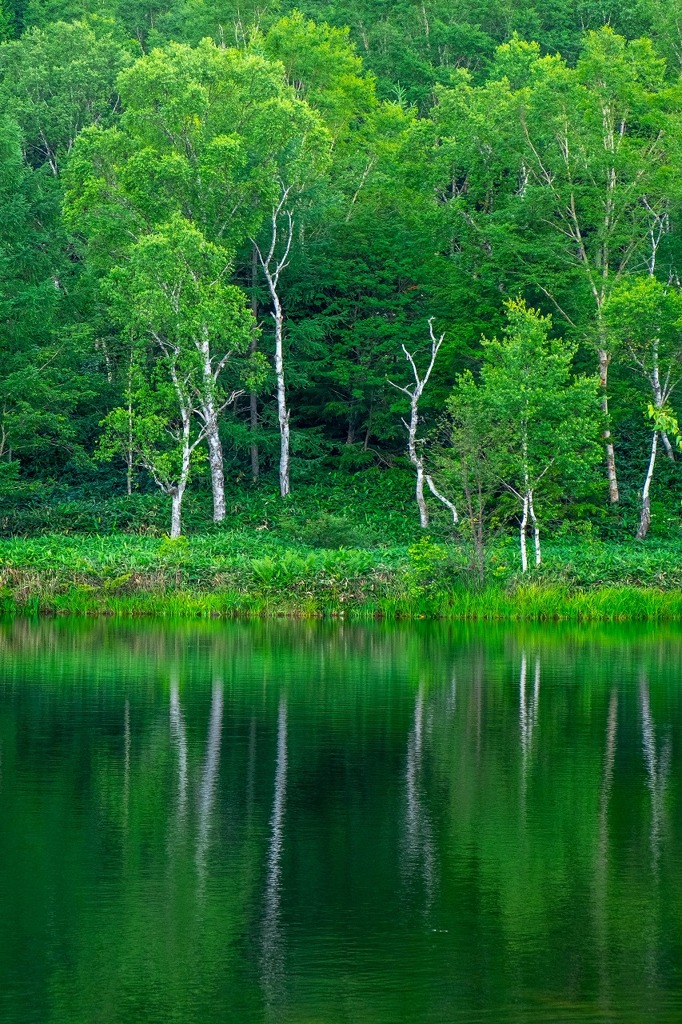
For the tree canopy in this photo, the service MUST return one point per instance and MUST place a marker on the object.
(308, 187)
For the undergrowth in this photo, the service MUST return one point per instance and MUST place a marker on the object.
(252, 573)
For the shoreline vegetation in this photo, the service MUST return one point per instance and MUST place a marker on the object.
(248, 575)
(529, 603)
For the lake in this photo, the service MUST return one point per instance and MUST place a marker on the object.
(339, 823)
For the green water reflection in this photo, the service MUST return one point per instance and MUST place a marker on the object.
(320, 823)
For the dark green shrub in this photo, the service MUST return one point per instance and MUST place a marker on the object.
(333, 531)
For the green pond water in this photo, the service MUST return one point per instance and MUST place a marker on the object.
(323, 823)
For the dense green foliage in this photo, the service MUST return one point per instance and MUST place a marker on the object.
(225, 223)
(302, 571)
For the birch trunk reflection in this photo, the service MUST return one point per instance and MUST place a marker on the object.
(419, 851)
(179, 738)
(528, 713)
(272, 959)
(657, 768)
(602, 857)
(209, 776)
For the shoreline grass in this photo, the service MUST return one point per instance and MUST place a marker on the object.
(242, 575)
(532, 603)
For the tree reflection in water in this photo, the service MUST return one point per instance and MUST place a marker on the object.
(452, 840)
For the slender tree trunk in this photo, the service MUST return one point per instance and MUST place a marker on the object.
(253, 397)
(604, 359)
(414, 393)
(272, 272)
(536, 529)
(212, 431)
(669, 451)
(522, 535)
(178, 491)
(215, 461)
(177, 495)
(659, 402)
(282, 411)
(441, 497)
(645, 516)
(659, 397)
(368, 434)
(423, 512)
(527, 502)
(415, 459)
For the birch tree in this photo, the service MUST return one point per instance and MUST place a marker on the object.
(219, 137)
(159, 430)
(172, 297)
(543, 420)
(415, 446)
(273, 262)
(644, 317)
(557, 174)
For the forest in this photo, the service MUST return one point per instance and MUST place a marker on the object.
(343, 276)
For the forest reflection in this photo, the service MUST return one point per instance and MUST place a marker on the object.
(257, 815)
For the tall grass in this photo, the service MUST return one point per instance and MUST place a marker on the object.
(245, 574)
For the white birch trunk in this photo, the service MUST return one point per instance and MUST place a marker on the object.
(645, 515)
(177, 492)
(536, 529)
(522, 535)
(661, 395)
(669, 450)
(441, 497)
(129, 466)
(659, 401)
(177, 495)
(272, 270)
(421, 503)
(527, 501)
(604, 360)
(415, 458)
(215, 460)
(282, 411)
(414, 393)
(212, 430)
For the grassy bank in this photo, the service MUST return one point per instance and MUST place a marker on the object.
(246, 573)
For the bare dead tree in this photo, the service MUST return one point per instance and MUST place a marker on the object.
(414, 446)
